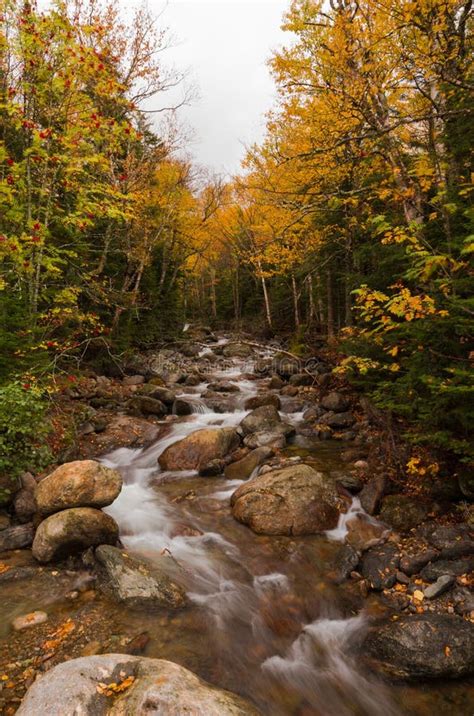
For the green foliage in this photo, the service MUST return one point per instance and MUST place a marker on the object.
(23, 429)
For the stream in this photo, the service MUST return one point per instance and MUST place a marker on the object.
(266, 619)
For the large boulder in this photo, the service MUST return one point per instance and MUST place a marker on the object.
(264, 418)
(434, 646)
(199, 448)
(73, 531)
(145, 405)
(84, 483)
(257, 401)
(137, 686)
(242, 469)
(403, 512)
(335, 402)
(135, 583)
(294, 500)
(237, 350)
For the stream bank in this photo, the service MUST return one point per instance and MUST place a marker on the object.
(289, 619)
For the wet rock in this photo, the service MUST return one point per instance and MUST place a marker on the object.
(313, 413)
(72, 531)
(290, 390)
(16, 537)
(295, 500)
(259, 401)
(439, 587)
(335, 402)
(182, 407)
(237, 350)
(83, 483)
(223, 387)
(189, 350)
(24, 504)
(422, 646)
(462, 548)
(380, 565)
(135, 583)
(212, 468)
(451, 567)
(301, 379)
(199, 448)
(464, 601)
(349, 481)
(403, 512)
(165, 395)
(276, 383)
(285, 366)
(294, 405)
(144, 405)
(156, 687)
(443, 537)
(372, 493)
(218, 402)
(193, 380)
(260, 419)
(364, 533)
(25, 621)
(242, 469)
(411, 564)
(346, 562)
(338, 420)
(274, 439)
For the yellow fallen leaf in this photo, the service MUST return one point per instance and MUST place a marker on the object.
(447, 651)
(418, 595)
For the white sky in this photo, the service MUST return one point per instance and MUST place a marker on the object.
(225, 45)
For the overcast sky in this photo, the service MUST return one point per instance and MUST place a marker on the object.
(225, 44)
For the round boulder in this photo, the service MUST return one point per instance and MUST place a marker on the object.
(199, 449)
(150, 686)
(84, 483)
(294, 500)
(428, 646)
(73, 531)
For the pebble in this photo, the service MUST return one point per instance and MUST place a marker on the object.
(441, 585)
(29, 620)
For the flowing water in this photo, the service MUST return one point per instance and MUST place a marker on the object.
(267, 618)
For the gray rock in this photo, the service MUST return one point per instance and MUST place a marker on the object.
(158, 687)
(294, 500)
(335, 402)
(133, 380)
(403, 512)
(135, 583)
(213, 468)
(372, 493)
(274, 439)
(199, 448)
(260, 400)
(16, 537)
(72, 531)
(433, 646)
(237, 350)
(338, 420)
(411, 564)
(451, 567)
(242, 469)
(83, 483)
(301, 379)
(276, 383)
(260, 419)
(380, 565)
(439, 587)
(24, 504)
(144, 405)
(223, 387)
(182, 407)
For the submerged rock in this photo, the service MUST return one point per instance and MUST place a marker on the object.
(84, 483)
(422, 646)
(72, 531)
(25, 621)
(294, 500)
(151, 686)
(199, 448)
(135, 583)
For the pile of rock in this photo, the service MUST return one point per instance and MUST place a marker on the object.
(69, 501)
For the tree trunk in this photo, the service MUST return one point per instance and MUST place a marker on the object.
(295, 301)
(213, 293)
(311, 306)
(330, 304)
